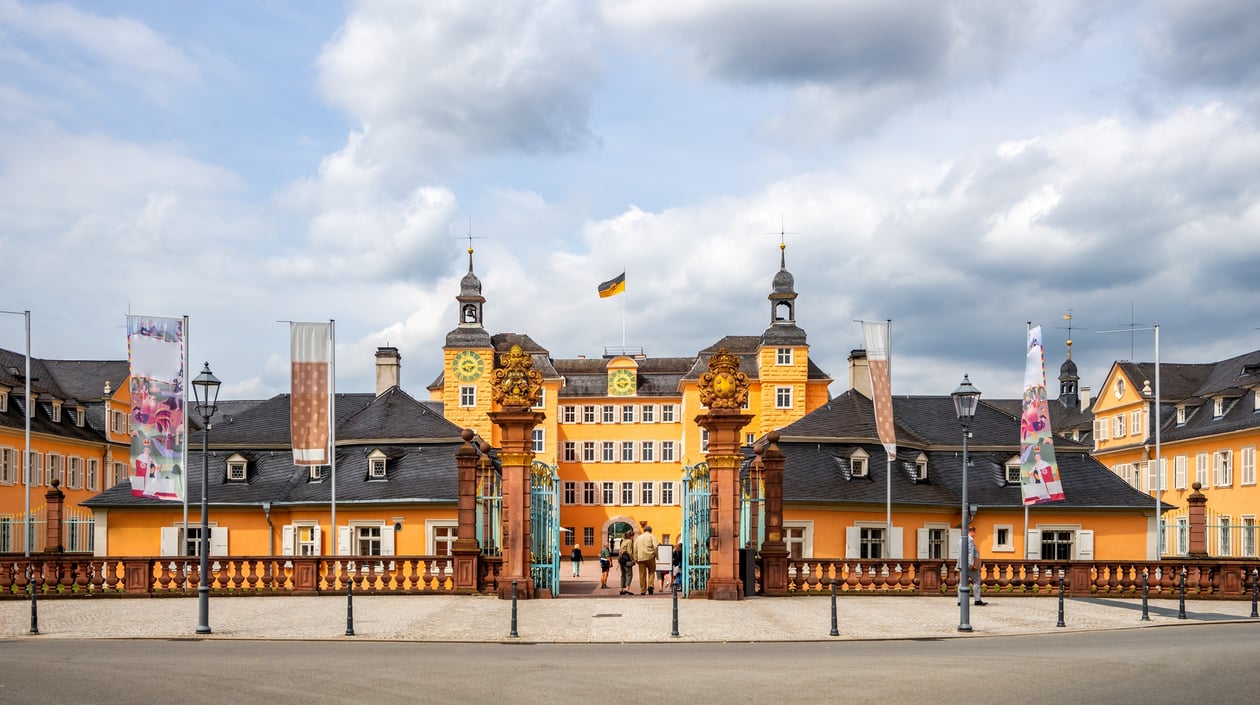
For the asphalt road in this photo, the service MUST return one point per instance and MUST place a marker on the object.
(1209, 663)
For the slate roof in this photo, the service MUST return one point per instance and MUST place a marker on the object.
(819, 446)
(1236, 380)
(74, 382)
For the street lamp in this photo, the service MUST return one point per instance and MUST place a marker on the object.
(966, 399)
(28, 533)
(206, 393)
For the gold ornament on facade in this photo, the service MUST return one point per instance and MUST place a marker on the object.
(723, 386)
(516, 384)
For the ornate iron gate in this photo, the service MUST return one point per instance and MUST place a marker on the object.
(489, 508)
(544, 527)
(752, 510)
(695, 528)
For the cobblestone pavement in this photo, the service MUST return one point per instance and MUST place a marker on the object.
(613, 619)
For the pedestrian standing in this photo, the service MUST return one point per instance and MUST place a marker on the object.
(575, 557)
(645, 556)
(605, 562)
(625, 561)
(969, 572)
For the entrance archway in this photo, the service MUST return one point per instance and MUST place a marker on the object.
(615, 528)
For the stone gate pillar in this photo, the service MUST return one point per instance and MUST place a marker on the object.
(724, 389)
(466, 550)
(515, 388)
(774, 551)
(54, 498)
(1197, 511)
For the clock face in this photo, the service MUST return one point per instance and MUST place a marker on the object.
(621, 383)
(467, 366)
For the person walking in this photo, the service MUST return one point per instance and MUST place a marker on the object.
(605, 562)
(575, 557)
(645, 556)
(625, 561)
(971, 569)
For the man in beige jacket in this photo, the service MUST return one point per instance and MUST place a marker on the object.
(645, 556)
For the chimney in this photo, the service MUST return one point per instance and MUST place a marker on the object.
(1085, 400)
(387, 367)
(860, 373)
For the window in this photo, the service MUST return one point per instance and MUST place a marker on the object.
(376, 471)
(667, 412)
(588, 494)
(568, 414)
(441, 535)
(936, 543)
(52, 469)
(1100, 429)
(627, 493)
(1249, 536)
(783, 356)
(569, 452)
(1056, 545)
(588, 413)
(750, 438)
(539, 438)
(120, 474)
(1179, 472)
(704, 440)
(1135, 422)
(1201, 469)
(667, 492)
(315, 473)
(1117, 426)
(783, 397)
(1223, 468)
(859, 467)
(608, 451)
(192, 541)
(56, 412)
(569, 536)
(74, 473)
(588, 451)
(609, 413)
(541, 403)
(8, 466)
(93, 478)
(627, 413)
(117, 422)
(1181, 415)
(647, 413)
(871, 542)
(588, 536)
(1003, 538)
(647, 451)
(467, 395)
(1154, 477)
(667, 451)
(34, 469)
(627, 451)
(368, 540)
(1247, 475)
(1012, 473)
(236, 471)
(799, 537)
(1225, 548)
(1218, 408)
(608, 490)
(6, 533)
(570, 492)
(306, 536)
(647, 493)
(4, 401)
(1183, 536)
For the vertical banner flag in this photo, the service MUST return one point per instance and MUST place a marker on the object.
(877, 343)
(1039, 471)
(155, 349)
(613, 286)
(308, 404)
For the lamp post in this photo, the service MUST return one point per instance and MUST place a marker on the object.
(206, 393)
(966, 398)
(27, 538)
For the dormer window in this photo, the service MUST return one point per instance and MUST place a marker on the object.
(4, 400)
(1255, 403)
(858, 463)
(79, 415)
(237, 468)
(920, 467)
(55, 412)
(1012, 470)
(316, 473)
(1181, 414)
(376, 465)
(1218, 407)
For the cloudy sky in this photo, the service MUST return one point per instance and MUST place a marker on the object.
(960, 167)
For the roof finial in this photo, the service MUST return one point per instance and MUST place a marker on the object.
(470, 244)
(1068, 317)
(783, 233)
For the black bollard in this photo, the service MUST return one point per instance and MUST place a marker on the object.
(674, 632)
(1060, 624)
(30, 582)
(835, 628)
(349, 607)
(1255, 589)
(513, 633)
(1146, 614)
(1181, 607)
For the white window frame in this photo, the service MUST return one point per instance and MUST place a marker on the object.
(608, 451)
(74, 472)
(647, 413)
(568, 414)
(588, 451)
(1135, 422)
(1201, 471)
(568, 492)
(627, 493)
(783, 356)
(237, 470)
(1013, 473)
(117, 421)
(1223, 468)
(608, 413)
(805, 539)
(1179, 472)
(377, 469)
(1117, 426)
(433, 546)
(588, 413)
(608, 492)
(8, 466)
(647, 451)
(704, 440)
(667, 413)
(569, 451)
(467, 396)
(667, 452)
(1181, 415)
(1152, 476)
(4, 401)
(1248, 524)
(541, 402)
(55, 411)
(1101, 428)
(1247, 469)
(52, 468)
(1218, 407)
(783, 397)
(627, 452)
(668, 496)
(627, 413)
(647, 493)
(1000, 546)
(590, 493)
(92, 474)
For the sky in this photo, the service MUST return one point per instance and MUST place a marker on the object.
(959, 167)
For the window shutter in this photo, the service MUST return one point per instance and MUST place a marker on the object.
(851, 540)
(170, 541)
(1032, 546)
(343, 540)
(387, 540)
(219, 541)
(954, 543)
(1084, 545)
(319, 541)
(286, 540)
(922, 548)
(896, 543)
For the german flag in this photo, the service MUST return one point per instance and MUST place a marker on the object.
(613, 286)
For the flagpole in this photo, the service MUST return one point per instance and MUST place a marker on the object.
(888, 471)
(1027, 332)
(184, 449)
(623, 312)
(332, 425)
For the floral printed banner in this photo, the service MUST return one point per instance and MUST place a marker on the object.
(1039, 471)
(155, 348)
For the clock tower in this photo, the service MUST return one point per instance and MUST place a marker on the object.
(468, 360)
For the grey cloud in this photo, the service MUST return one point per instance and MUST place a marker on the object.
(1212, 43)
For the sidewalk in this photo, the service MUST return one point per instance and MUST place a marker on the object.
(585, 615)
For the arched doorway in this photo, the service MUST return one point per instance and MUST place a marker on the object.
(615, 528)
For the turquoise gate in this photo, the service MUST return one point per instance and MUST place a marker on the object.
(695, 528)
(752, 510)
(544, 527)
